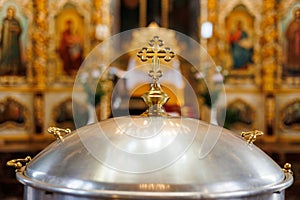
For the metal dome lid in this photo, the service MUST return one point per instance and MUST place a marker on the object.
(203, 160)
(154, 156)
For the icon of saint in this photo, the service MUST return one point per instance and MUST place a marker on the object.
(240, 48)
(10, 57)
(293, 45)
(70, 49)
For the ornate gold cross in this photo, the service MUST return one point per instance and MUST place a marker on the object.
(155, 52)
(155, 98)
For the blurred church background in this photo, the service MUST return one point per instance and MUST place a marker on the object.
(255, 46)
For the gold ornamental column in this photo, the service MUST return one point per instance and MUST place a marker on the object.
(165, 13)
(208, 13)
(269, 45)
(212, 17)
(268, 54)
(143, 13)
(212, 47)
(102, 17)
(40, 43)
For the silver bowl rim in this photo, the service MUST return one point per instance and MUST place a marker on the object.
(26, 181)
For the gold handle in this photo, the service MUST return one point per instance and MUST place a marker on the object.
(287, 168)
(58, 132)
(251, 136)
(17, 163)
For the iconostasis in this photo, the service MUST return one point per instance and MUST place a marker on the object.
(254, 44)
(43, 44)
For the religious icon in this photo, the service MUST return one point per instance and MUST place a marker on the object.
(12, 112)
(70, 42)
(64, 113)
(292, 34)
(70, 48)
(239, 24)
(240, 47)
(239, 115)
(10, 57)
(290, 116)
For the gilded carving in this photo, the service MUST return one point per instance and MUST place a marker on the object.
(40, 45)
(97, 17)
(268, 45)
(101, 14)
(104, 19)
(212, 17)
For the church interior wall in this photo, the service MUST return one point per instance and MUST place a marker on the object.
(251, 43)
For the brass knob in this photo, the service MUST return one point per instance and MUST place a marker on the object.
(58, 132)
(155, 99)
(287, 168)
(251, 136)
(17, 163)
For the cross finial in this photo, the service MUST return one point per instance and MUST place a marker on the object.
(155, 98)
(155, 52)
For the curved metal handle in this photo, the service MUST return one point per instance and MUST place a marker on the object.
(17, 163)
(251, 136)
(58, 132)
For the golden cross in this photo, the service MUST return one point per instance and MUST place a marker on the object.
(155, 52)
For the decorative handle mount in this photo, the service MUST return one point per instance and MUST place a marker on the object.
(251, 136)
(59, 132)
(18, 163)
(287, 168)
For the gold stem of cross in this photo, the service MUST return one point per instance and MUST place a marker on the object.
(155, 68)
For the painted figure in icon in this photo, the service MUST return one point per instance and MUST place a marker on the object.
(240, 47)
(12, 111)
(10, 59)
(293, 45)
(70, 49)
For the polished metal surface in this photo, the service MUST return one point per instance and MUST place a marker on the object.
(34, 191)
(203, 161)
